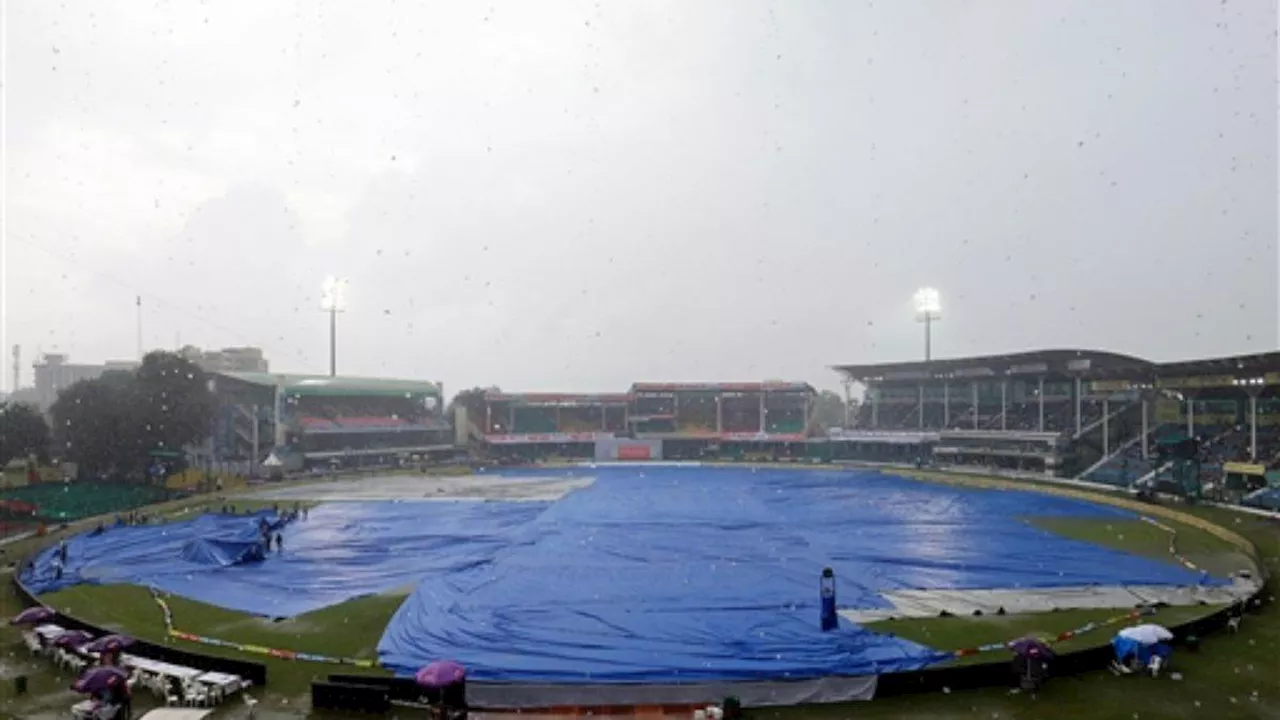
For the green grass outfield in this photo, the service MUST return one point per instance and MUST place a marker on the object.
(1222, 677)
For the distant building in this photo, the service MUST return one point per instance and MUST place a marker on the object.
(54, 374)
(232, 359)
(23, 396)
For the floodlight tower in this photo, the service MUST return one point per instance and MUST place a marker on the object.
(333, 300)
(928, 309)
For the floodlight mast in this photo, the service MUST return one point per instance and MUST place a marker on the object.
(928, 309)
(333, 300)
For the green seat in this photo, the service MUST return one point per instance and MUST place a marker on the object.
(75, 501)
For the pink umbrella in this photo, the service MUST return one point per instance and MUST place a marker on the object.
(33, 616)
(72, 639)
(97, 679)
(441, 673)
(1031, 646)
(109, 644)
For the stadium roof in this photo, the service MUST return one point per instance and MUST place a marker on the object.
(558, 398)
(1036, 362)
(1088, 363)
(1234, 365)
(767, 386)
(326, 385)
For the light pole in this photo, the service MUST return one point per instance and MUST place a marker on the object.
(928, 309)
(333, 300)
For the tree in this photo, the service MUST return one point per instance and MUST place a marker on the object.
(829, 411)
(473, 401)
(177, 405)
(23, 433)
(109, 425)
(98, 423)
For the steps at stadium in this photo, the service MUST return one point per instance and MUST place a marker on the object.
(1112, 470)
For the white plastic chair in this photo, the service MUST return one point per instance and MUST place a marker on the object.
(173, 700)
(32, 642)
(197, 694)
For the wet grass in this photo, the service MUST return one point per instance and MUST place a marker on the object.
(952, 633)
(351, 629)
(1142, 538)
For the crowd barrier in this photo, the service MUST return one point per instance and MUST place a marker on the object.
(367, 699)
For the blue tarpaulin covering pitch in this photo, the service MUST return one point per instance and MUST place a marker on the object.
(663, 574)
(650, 574)
(340, 552)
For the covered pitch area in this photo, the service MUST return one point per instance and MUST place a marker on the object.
(633, 575)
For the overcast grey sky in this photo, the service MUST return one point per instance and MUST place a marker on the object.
(577, 195)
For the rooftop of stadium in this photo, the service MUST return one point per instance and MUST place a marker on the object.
(1091, 363)
(329, 385)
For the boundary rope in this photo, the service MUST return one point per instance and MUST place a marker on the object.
(1089, 627)
(278, 653)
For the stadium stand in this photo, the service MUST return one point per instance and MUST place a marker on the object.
(67, 502)
(309, 421)
(1095, 415)
(680, 420)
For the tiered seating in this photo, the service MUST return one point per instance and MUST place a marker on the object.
(360, 423)
(898, 416)
(311, 422)
(1059, 416)
(1263, 499)
(1024, 417)
(786, 425)
(1091, 412)
(75, 501)
(534, 420)
(961, 420)
(1123, 469)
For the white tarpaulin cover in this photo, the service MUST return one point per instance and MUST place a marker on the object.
(1018, 601)
(1147, 634)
